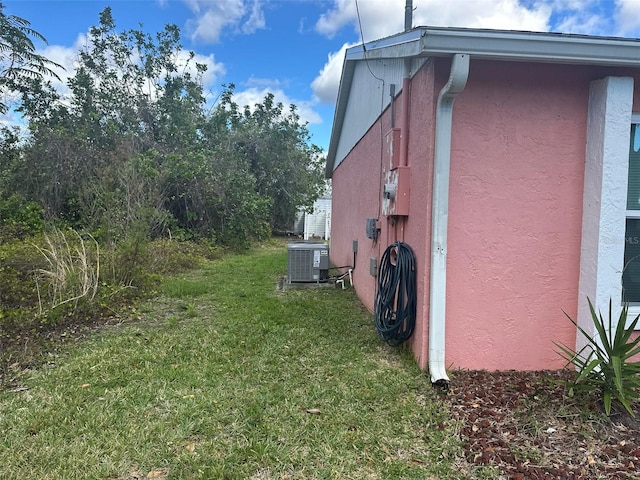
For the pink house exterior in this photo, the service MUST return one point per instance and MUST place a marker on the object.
(502, 159)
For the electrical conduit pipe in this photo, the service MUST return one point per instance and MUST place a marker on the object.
(440, 215)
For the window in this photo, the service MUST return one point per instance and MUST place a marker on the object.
(631, 271)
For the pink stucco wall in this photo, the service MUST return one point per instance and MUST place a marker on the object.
(515, 218)
(356, 195)
(517, 167)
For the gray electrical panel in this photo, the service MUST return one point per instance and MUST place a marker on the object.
(372, 228)
(307, 262)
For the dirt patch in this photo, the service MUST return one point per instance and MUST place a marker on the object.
(525, 425)
(32, 344)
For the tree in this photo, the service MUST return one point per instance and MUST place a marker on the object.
(276, 146)
(135, 148)
(19, 63)
(127, 99)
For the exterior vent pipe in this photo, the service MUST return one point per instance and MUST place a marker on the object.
(440, 215)
(408, 15)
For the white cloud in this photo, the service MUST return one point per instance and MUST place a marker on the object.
(381, 19)
(256, 19)
(588, 17)
(627, 16)
(66, 57)
(502, 14)
(343, 13)
(213, 16)
(325, 85)
(253, 95)
(214, 70)
(583, 23)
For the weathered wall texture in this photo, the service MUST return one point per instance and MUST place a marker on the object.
(517, 169)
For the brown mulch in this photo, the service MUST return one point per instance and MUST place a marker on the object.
(525, 425)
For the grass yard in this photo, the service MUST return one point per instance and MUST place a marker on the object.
(223, 377)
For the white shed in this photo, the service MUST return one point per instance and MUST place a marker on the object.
(316, 224)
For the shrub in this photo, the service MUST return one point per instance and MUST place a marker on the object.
(19, 218)
(604, 364)
(18, 261)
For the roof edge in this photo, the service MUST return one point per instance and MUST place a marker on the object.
(507, 45)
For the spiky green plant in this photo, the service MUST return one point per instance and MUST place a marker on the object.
(604, 364)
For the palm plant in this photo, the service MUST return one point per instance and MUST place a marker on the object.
(605, 363)
(19, 62)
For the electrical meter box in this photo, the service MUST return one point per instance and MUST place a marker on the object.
(307, 262)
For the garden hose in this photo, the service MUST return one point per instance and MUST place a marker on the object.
(395, 304)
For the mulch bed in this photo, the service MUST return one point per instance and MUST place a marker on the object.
(525, 425)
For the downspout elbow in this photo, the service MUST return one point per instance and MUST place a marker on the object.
(440, 215)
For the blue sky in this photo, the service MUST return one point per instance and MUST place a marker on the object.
(294, 48)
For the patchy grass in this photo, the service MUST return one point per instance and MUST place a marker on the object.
(225, 378)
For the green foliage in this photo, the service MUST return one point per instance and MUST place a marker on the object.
(288, 170)
(19, 62)
(604, 364)
(125, 200)
(136, 154)
(170, 257)
(10, 151)
(18, 262)
(19, 218)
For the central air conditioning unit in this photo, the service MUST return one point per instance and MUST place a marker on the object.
(307, 262)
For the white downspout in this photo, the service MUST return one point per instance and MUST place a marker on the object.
(439, 216)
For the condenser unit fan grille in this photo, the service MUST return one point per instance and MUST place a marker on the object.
(308, 262)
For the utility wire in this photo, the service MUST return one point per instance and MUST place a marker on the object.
(364, 48)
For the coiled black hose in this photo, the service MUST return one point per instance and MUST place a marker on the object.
(395, 305)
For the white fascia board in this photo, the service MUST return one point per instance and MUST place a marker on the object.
(502, 45)
(338, 117)
(532, 46)
(404, 45)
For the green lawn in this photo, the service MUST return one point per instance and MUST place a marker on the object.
(224, 378)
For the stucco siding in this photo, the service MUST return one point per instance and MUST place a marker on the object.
(355, 192)
(515, 215)
(515, 209)
(356, 187)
